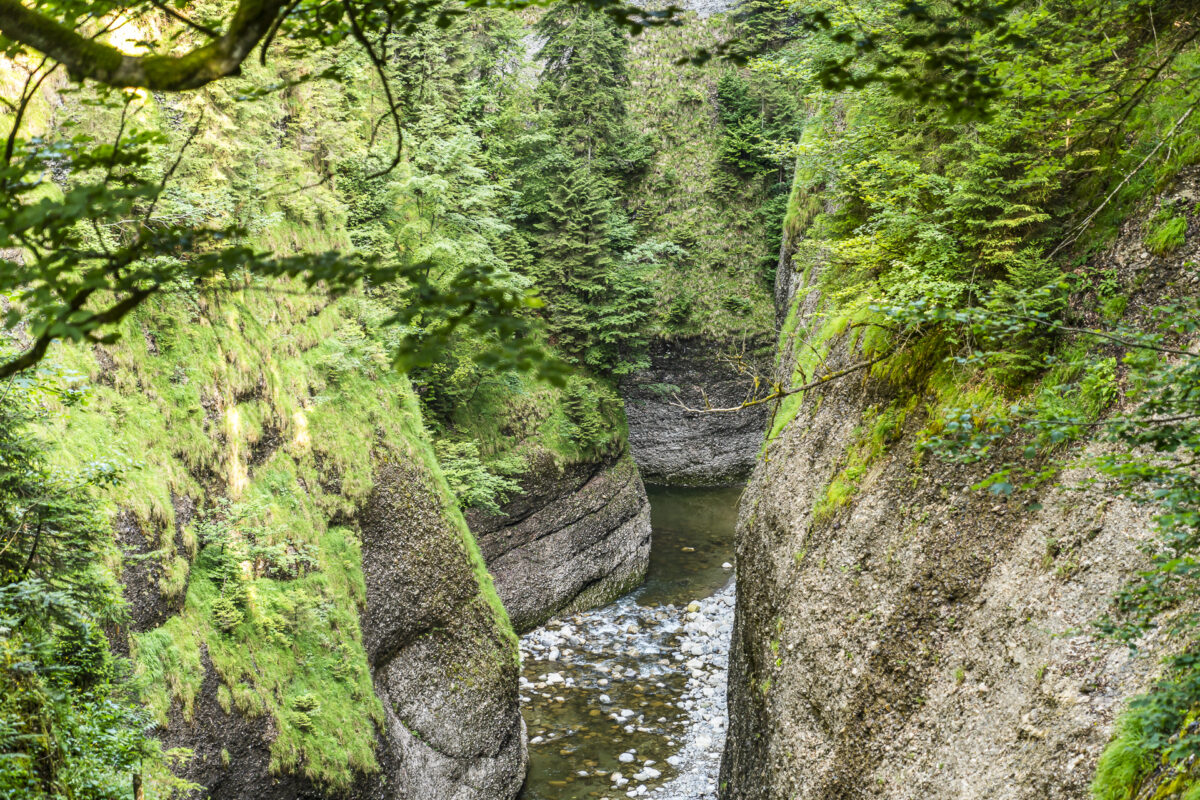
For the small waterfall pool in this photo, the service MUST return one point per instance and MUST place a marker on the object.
(628, 700)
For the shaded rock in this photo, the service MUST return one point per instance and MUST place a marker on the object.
(576, 538)
(443, 664)
(443, 661)
(677, 448)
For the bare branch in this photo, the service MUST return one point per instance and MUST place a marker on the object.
(779, 392)
(28, 91)
(380, 69)
(1078, 230)
(37, 539)
(274, 31)
(1108, 337)
(162, 184)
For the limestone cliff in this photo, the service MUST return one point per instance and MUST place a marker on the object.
(678, 448)
(921, 639)
(578, 536)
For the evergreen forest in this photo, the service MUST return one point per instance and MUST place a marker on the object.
(349, 348)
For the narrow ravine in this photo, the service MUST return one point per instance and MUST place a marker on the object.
(628, 700)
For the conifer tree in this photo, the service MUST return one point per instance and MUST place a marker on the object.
(596, 300)
(597, 305)
(584, 85)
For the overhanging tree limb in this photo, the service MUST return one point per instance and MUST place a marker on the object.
(86, 58)
(781, 392)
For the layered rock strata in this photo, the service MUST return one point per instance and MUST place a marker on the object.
(578, 536)
(680, 448)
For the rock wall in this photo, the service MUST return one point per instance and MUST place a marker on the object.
(443, 667)
(444, 670)
(678, 448)
(391, 635)
(577, 537)
(927, 640)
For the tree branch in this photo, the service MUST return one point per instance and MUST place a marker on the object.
(1136, 345)
(180, 17)
(37, 539)
(781, 393)
(1079, 229)
(85, 58)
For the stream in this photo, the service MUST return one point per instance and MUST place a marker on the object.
(628, 700)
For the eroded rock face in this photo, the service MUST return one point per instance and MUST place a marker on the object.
(443, 664)
(577, 537)
(677, 448)
(926, 640)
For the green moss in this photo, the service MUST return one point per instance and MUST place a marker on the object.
(167, 665)
(795, 342)
(1124, 761)
(956, 391)
(1078, 386)
(271, 395)
(810, 347)
(204, 399)
(871, 439)
(804, 200)
(454, 516)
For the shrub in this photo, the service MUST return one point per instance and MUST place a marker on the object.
(226, 615)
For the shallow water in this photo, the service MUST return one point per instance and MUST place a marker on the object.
(702, 519)
(612, 681)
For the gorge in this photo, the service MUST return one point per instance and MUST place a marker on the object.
(495, 401)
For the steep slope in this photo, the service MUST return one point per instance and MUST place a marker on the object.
(718, 229)
(309, 615)
(911, 636)
(307, 606)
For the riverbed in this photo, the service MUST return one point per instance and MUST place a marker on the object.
(628, 700)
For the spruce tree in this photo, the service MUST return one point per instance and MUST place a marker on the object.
(584, 82)
(597, 299)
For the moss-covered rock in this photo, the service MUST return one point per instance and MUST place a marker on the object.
(292, 556)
